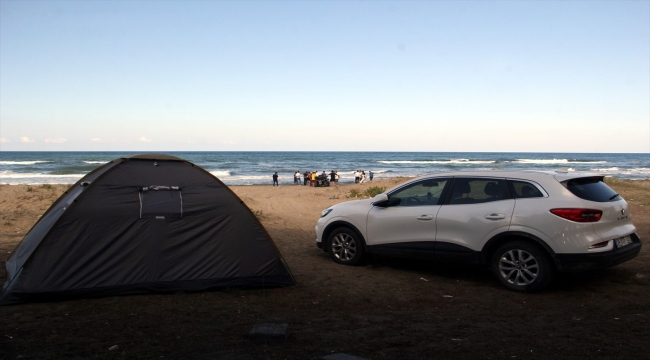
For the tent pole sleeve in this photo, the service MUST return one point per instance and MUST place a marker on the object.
(181, 196)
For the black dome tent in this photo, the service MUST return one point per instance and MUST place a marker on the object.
(143, 224)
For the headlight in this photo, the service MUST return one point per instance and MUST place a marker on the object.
(325, 212)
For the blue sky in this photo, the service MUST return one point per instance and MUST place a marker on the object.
(548, 76)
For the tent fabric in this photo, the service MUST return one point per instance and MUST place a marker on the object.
(94, 241)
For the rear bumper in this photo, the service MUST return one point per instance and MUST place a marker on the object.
(583, 262)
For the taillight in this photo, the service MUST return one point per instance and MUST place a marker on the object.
(578, 215)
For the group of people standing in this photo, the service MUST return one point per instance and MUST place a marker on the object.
(360, 176)
(312, 177)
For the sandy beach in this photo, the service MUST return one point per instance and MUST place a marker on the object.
(388, 309)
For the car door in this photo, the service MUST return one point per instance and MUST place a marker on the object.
(408, 226)
(477, 209)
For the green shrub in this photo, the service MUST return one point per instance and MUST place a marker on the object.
(354, 193)
(258, 214)
(9, 216)
(374, 190)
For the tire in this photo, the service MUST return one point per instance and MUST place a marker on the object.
(522, 266)
(346, 247)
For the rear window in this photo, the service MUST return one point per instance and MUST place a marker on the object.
(525, 190)
(592, 189)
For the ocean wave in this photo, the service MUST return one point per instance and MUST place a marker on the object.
(72, 170)
(616, 172)
(95, 162)
(14, 175)
(23, 162)
(220, 173)
(452, 161)
(257, 177)
(635, 171)
(555, 161)
(13, 178)
(606, 169)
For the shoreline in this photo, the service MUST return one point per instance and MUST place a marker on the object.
(608, 179)
(346, 183)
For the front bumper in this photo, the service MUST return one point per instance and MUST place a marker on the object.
(583, 262)
(319, 228)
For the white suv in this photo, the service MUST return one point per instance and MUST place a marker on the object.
(523, 225)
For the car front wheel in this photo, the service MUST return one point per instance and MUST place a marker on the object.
(522, 266)
(345, 247)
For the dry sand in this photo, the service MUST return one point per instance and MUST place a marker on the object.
(388, 309)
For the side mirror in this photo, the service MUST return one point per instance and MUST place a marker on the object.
(380, 198)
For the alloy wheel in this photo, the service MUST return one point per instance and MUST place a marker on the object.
(343, 247)
(518, 267)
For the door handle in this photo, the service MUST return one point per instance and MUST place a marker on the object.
(425, 217)
(495, 216)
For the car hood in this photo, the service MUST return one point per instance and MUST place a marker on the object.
(365, 203)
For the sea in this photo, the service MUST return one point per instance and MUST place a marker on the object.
(255, 168)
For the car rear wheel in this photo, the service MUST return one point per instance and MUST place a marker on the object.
(522, 266)
(345, 247)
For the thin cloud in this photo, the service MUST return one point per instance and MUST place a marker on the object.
(4, 140)
(108, 141)
(56, 141)
(144, 139)
(25, 139)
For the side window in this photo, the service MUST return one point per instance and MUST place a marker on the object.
(161, 202)
(525, 190)
(474, 191)
(421, 193)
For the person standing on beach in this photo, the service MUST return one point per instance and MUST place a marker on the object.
(275, 179)
(306, 177)
(370, 174)
(356, 176)
(313, 178)
(296, 178)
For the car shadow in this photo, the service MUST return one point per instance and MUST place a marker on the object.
(446, 271)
